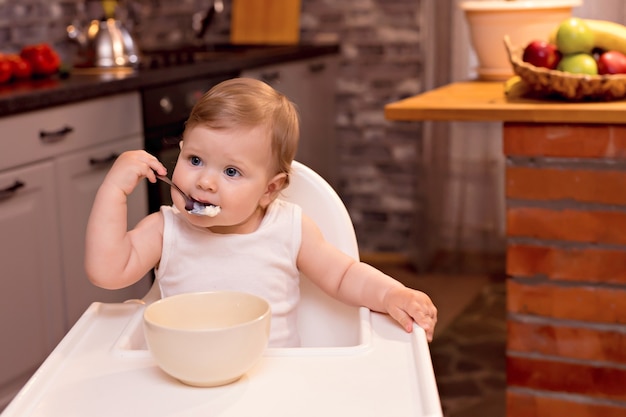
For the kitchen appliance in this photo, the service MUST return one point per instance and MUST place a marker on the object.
(105, 44)
(165, 110)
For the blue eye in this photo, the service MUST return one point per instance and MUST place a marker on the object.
(195, 161)
(231, 172)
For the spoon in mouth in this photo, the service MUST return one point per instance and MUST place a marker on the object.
(192, 206)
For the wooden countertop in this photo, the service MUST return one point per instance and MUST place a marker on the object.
(485, 101)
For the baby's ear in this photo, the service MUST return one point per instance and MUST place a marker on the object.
(180, 144)
(274, 187)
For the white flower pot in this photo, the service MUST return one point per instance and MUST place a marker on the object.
(525, 20)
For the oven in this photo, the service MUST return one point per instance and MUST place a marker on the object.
(165, 110)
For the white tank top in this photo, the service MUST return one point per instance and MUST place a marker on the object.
(263, 263)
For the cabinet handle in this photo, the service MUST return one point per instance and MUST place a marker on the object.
(55, 135)
(270, 77)
(11, 190)
(317, 67)
(106, 161)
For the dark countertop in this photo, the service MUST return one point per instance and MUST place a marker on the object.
(83, 85)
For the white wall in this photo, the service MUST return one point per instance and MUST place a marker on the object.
(466, 168)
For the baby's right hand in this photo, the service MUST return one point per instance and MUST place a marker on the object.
(131, 167)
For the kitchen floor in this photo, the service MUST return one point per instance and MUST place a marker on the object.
(468, 351)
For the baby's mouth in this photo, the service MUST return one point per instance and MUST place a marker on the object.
(203, 209)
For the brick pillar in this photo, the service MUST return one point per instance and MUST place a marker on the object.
(566, 262)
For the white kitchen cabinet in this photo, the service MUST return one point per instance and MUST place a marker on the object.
(31, 286)
(311, 85)
(51, 165)
(78, 176)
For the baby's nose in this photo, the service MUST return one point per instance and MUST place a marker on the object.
(208, 182)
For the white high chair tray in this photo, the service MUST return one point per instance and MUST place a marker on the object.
(102, 368)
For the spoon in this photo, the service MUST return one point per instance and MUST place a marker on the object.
(189, 202)
(192, 206)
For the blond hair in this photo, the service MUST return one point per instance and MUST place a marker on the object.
(246, 102)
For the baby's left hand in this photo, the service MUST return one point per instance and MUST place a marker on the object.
(407, 305)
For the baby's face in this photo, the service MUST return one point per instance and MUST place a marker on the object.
(227, 168)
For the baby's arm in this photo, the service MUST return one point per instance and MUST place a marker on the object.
(357, 283)
(114, 256)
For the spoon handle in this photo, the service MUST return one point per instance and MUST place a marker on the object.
(188, 200)
(167, 180)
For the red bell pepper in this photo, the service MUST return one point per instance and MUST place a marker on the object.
(21, 68)
(6, 70)
(43, 59)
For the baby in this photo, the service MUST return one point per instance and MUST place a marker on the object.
(236, 154)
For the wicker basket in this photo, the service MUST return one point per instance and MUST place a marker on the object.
(570, 86)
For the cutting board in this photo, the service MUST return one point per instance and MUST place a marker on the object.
(265, 21)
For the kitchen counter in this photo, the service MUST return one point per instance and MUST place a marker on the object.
(565, 242)
(485, 101)
(82, 85)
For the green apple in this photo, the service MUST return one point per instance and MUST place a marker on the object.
(578, 64)
(574, 36)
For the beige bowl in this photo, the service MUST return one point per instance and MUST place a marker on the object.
(207, 339)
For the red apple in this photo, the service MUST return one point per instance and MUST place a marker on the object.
(542, 54)
(612, 62)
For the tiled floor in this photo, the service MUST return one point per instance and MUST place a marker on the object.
(469, 358)
(468, 351)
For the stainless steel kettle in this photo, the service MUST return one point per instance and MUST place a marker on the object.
(105, 44)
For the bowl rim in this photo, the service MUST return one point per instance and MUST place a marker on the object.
(266, 313)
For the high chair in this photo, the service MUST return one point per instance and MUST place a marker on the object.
(352, 361)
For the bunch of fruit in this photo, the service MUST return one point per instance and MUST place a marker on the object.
(581, 46)
(33, 61)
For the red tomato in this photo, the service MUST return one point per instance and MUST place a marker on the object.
(21, 68)
(6, 71)
(42, 58)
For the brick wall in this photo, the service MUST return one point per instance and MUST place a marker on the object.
(381, 62)
(379, 161)
(566, 259)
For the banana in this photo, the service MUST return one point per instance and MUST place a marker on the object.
(515, 87)
(607, 35)
(510, 83)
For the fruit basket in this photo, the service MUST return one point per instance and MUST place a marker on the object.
(579, 87)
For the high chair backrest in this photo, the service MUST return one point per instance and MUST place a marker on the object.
(323, 321)
(321, 203)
